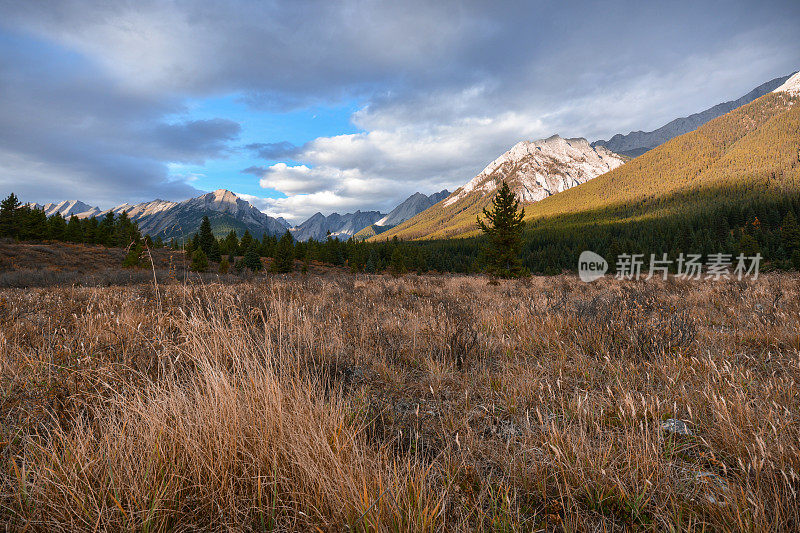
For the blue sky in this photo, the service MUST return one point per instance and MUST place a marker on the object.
(295, 127)
(336, 106)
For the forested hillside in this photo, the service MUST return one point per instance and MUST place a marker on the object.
(730, 186)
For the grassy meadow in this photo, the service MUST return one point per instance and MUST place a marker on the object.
(421, 403)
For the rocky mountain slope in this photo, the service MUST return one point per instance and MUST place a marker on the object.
(342, 226)
(225, 210)
(165, 219)
(749, 153)
(636, 143)
(791, 86)
(413, 205)
(67, 208)
(533, 169)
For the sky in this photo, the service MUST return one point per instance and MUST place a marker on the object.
(302, 106)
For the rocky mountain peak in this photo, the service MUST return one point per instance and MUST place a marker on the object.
(540, 168)
(791, 86)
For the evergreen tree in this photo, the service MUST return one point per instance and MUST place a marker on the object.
(105, 230)
(251, 258)
(503, 227)
(748, 245)
(284, 254)
(230, 244)
(74, 232)
(245, 243)
(790, 232)
(207, 242)
(9, 223)
(56, 227)
(133, 257)
(224, 266)
(199, 261)
(216, 253)
(397, 261)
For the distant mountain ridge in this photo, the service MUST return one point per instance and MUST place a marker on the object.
(67, 208)
(226, 211)
(342, 226)
(410, 207)
(636, 143)
(534, 169)
(413, 205)
(165, 219)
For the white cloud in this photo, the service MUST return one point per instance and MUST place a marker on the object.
(441, 140)
(447, 86)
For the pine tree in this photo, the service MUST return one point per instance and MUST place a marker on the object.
(9, 226)
(790, 232)
(503, 227)
(245, 243)
(251, 258)
(199, 261)
(397, 261)
(207, 242)
(230, 244)
(748, 245)
(56, 227)
(284, 254)
(216, 252)
(133, 257)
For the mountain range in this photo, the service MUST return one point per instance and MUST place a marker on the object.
(413, 205)
(161, 218)
(319, 226)
(636, 143)
(533, 169)
(537, 171)
(227, 211)
(734, 163)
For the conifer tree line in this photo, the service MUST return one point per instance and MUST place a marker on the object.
(722, 222)
(26, 223)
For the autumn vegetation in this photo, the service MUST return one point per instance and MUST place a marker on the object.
(413, 403)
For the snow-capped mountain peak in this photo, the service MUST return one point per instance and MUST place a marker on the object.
(791, 86)
(538, 169)
(67, 208)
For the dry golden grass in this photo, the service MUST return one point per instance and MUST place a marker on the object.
(401, 404)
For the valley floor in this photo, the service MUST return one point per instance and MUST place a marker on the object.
(420, 403)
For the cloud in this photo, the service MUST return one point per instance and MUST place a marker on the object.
(195, 140)
(272, 151)
(95, 92)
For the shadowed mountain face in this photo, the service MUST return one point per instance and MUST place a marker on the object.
(413, 205)
(342, 226)
(638, 142)
(533, 169)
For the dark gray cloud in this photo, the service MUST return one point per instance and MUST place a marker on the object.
(273, 151)
(196, 140)
(93, 92)
(255, 170)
